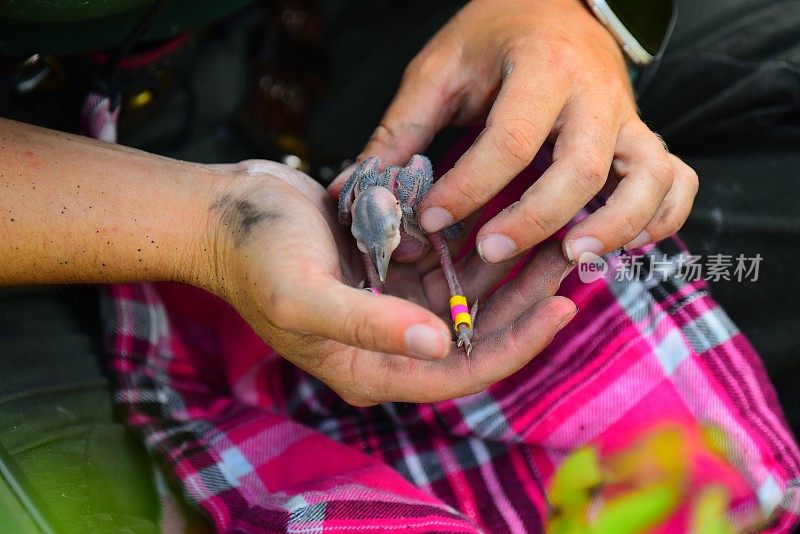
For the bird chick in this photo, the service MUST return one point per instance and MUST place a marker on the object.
(380, 206)
(376, 226)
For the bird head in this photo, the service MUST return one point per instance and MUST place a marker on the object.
(376, 225)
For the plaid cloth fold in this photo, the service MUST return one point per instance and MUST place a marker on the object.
(261, 446)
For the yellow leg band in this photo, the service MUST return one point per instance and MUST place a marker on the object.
(458, 299)
(462, 318)
(460, 312)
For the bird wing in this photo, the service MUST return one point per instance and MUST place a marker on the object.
(365, 175)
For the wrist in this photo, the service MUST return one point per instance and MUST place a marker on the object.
(237, 199)
(206, 244)
(641, 29)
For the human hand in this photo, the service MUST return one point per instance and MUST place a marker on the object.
(284, 262)
(536, 70)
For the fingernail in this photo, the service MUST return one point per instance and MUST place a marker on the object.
(566, 319)
(425, 342)
(495, 248)
(566, 272)
(345, 174)
(434, 219)
(640, 240)
(581, 245)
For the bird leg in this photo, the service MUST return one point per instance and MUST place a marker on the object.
(464, 330)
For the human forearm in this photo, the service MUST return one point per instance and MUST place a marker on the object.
(75, 210)
(265, 238)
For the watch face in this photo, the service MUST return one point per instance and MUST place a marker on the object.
(648, 21)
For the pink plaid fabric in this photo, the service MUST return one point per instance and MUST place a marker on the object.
(260, 446)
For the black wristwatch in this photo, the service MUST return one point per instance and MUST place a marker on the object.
(642, 28)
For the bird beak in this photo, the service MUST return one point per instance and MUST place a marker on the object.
(381, 261)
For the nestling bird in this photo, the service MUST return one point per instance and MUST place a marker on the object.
(380, 206)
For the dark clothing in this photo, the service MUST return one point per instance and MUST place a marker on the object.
(72, 26)
(725, 98)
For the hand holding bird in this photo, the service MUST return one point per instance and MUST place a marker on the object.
(289, 268)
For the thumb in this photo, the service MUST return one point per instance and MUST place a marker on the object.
(382, 323)
(422, 106)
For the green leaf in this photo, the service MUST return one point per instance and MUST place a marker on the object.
(570, 490)
(709, 515)
(637, 511)
(656, 457)
(567, 525)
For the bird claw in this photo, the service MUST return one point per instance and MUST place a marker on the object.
(465, 332)
(465, 339)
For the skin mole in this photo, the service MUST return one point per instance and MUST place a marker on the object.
(241, 215)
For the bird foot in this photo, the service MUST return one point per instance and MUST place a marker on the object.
(465, 332)
(465, 339)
